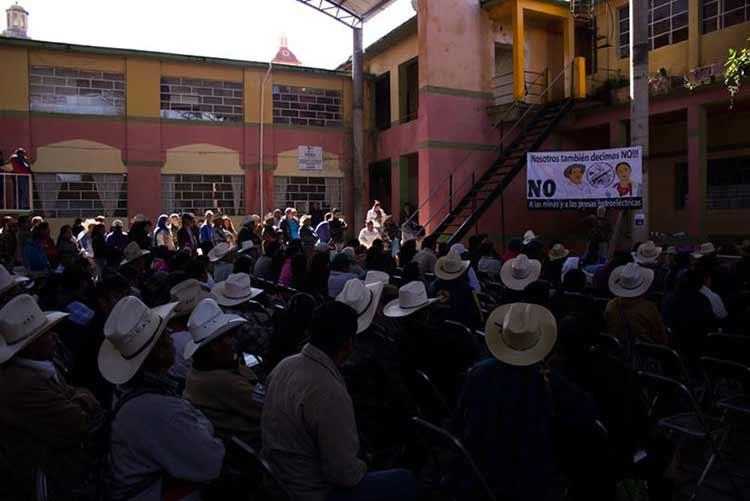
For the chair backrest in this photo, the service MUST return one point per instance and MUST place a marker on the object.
(437, 437)
(610, 345)
(431, 402)
(659, 359)
(725, 378)
(667, 396)
(272, 489)
(731, 347)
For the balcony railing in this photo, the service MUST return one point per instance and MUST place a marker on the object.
(16, 192)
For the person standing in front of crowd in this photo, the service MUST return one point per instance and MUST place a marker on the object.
(9, 242)
(229, 231)
(207, 232)
(307, 235)
(34, 258)
(162, 233)
(219, 234)
(368, 234)
(117, 239)
(249, 231)
(187, 235)
(337, 227)
(174, 227)
(67, 246)
(323, 229)
(290, 226)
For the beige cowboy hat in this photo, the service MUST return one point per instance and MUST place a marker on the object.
(704, 250)
(520, 334)
(132, 252)
(188, 294)
(363, 298)
(208, 322)
(451, 266)
(412, 297)
(557, 252)
(21, 322)
(245, 246)
(131, 332)
(519, 272)
(219, 251)
(630, 280)
(374, 276)
(647, 253)
(236, 289)
(529, 236)
(8, 281)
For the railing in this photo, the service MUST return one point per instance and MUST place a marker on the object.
(16, 192)
(533, 81)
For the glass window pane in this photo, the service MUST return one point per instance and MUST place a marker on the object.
(624, 39)
(661, 13)
(679, 21)
(732, 18)
(709, 26)
(661, 27)
(661, 41)
(730, 5)
(680, 35)
(679, 6)
(710, 10)
(658, 3)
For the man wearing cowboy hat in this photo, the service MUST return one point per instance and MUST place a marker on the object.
(10, 285)
(155, 435)
(222, 257)
(650, 256)
(228, 393)
(452, 286)
(187, 293)
(310, 435)
(236, 296)
(44, 420)
(512, 409)
(630, 314)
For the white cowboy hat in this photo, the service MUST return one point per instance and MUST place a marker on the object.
(8, 281)
(21, 322)
(647, 253)
(459, 247)
(188, 294)
(132, 252)
(705, 249)
(630, 280)
(246, 246)
(206, 323)
(363, 298)
(451, 266)
(234, 290)
(557, 252)
(411, 297)
(139, 218)
(219, 251)
(520, 334)
(519, 272)
(529, 236)
(131, 332)
(374, 276)
(117, 223)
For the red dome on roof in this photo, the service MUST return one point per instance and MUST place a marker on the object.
(286, 56)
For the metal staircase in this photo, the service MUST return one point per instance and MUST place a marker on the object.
(485, 190)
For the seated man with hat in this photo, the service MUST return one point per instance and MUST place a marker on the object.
(161, 446)
(45, 421)
(227, 392)
(452, 286)
(10, 285)
(630, 315)
(648, 255)
(222, 257)
(234, 295)
(187, 293)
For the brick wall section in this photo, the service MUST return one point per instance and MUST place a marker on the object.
(80, 199)
(195, 99)
(70, 90)
(198, 193)
(306, 106)
(300, 192)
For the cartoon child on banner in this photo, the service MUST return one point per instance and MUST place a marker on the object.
(625, 187)
(573, 185)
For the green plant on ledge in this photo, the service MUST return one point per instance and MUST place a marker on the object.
(737, 68)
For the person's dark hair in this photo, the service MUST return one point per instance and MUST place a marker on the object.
(574, 281)
(406, 252)
(429, 242)
(476, 242)
(111, 283)
(619, 258)
(197, 268)
(270, 248)
(333, 325)
(411, 272)
(243, 264)
(534, 250)
(341, 262)
(38, 232)
(442, 249)
(487, 249)
(63, 229)
(377, 245)
(515, 245)
(537, 293)
(691, 280)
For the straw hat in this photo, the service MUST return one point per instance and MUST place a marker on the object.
(529, 236)
(520, 334)
(647, 253)
(117, 223)
(208, 322)
(519, 272)
(459, 247)
(131, 332)
(8, 281)
(132, 252)
(188, 294)
(21, 322)
(234, 290)
(451, 266)
(705, 249)
(557, 252)
(412, 297)
(219, 251)
(374, 276)
(630, 280)
(363, 298)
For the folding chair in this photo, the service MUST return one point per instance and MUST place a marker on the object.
(731, 347)
(610, 345)
(659, 359)
(673, 408)
(728, 385)
(460, 466)
(270, 488)
(430, 401)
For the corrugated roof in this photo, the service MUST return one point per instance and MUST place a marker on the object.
(350, 12)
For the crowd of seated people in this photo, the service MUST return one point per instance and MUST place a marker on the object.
(132, 363)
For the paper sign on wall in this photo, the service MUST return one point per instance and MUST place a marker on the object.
(310, 157)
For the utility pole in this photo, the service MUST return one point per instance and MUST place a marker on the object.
(639, 112)
(358, 139)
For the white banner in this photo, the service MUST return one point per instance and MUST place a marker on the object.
(584, 179)
(310, 157)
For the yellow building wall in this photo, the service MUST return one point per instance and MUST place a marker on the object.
(253, 80)
(94, 62)
(78, 155)
(715, 46)
(14, 79)
(199, 70)
(199, 158)
(389, 61)
(142, 84)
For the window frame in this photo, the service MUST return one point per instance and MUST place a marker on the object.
(674, 34)
(721, 13)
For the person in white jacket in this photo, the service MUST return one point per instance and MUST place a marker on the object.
(368, 234)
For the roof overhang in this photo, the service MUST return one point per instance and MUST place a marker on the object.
(352, 13)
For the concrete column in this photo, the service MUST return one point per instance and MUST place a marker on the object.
(358, 140)
(697, 170)
(618, 134)
(639, 110)
(519, 62)
(694, 33)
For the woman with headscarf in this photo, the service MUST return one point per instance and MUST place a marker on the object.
(162, 233)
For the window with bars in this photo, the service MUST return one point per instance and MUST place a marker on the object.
(667, 24)
(720, 14)
(302, 192)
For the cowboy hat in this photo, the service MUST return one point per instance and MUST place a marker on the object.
(21, 322)
(234, 290)
(245, 246)
(647, 253)
(519, 272)
(459, 247)
(411, 297)
(139, 218)
(451, 266)
(132, 252)
(117, 223)
(529, 236)
(8, 281)
(363, 298)
(630, 280)
(131, 332)
(520, 334)
(705, 249)
(219, 251)
(374, 276)
(557, 252)
(208, 322)
(188, 294)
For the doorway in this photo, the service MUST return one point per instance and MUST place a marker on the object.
(380, 183)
